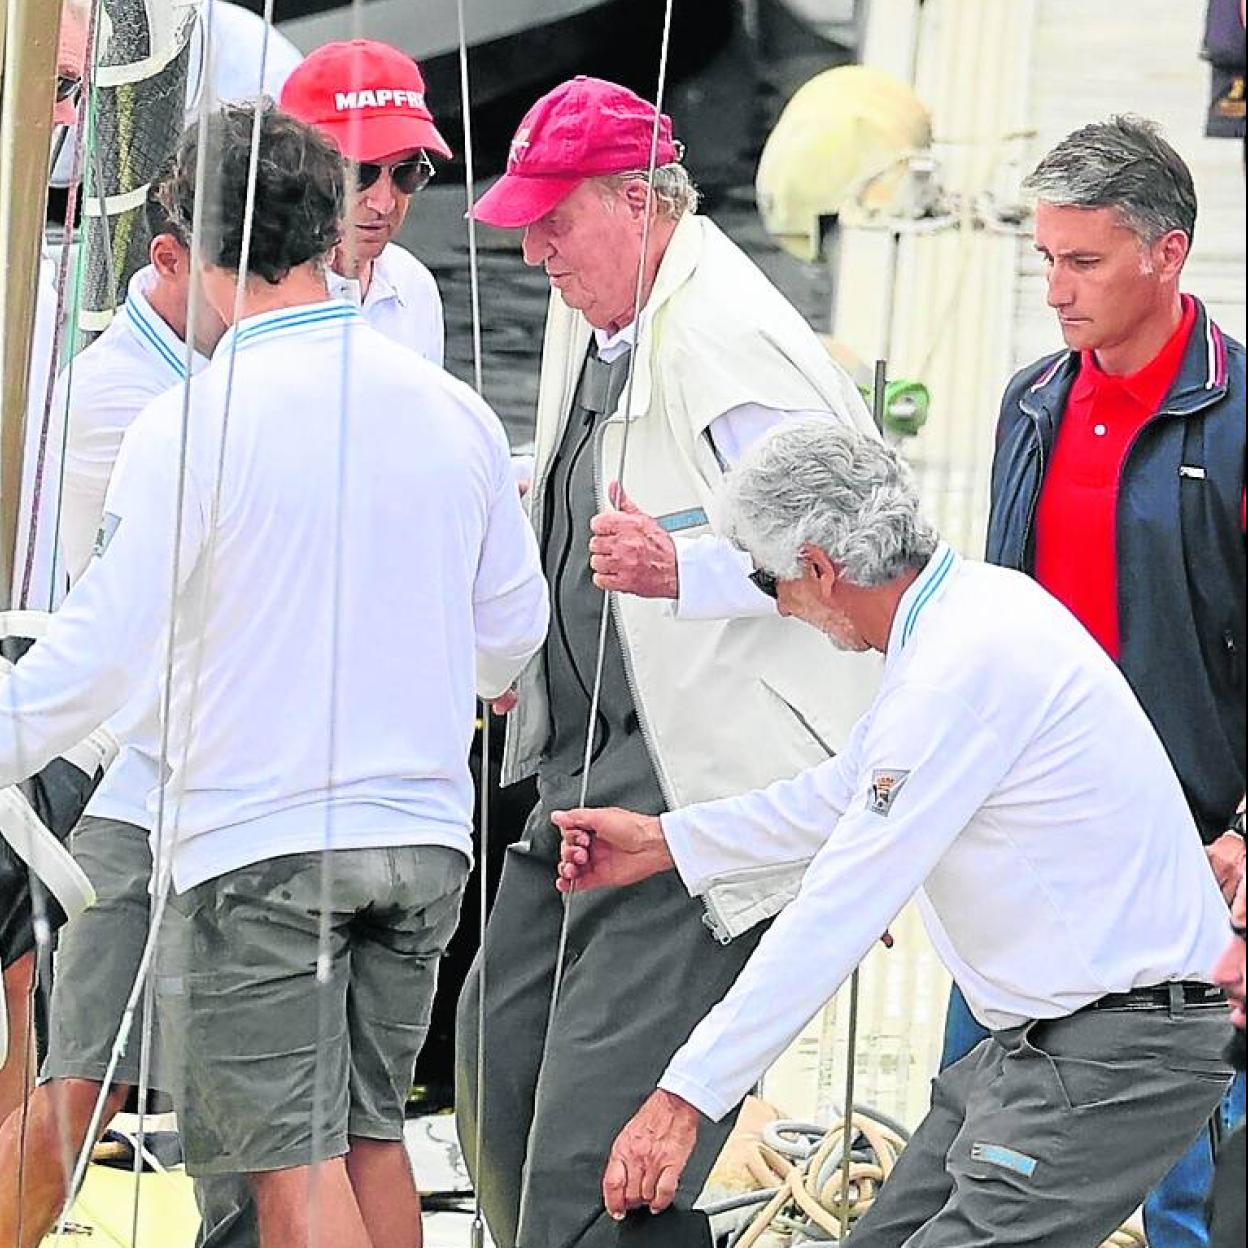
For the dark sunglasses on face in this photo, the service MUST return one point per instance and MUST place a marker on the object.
(68, 87)
(408, 176)
(765, 582)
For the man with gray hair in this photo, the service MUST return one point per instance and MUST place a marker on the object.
(660, 326)
(1005, 776)
(1119, 485)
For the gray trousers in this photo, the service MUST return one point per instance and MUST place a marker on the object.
(642, 971)
(1053, 1133)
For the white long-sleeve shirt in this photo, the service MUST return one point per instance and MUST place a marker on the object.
(135, 360)
(1008, 775)
(369, 564)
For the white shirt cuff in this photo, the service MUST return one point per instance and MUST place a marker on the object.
(714, 579)
(701, 1098)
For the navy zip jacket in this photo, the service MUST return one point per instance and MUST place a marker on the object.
(1181, 566)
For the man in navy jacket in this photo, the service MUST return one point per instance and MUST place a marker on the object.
(1118, 484)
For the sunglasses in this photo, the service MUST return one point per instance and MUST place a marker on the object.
(765, 582)
(68, 87)
(407, 177)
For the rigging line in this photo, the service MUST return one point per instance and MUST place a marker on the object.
(565, 927)
(40, 982)
(483, 794)
(163, 874)
(209, 557)
(58, 329)
(324, 941)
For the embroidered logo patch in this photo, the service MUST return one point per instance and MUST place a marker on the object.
(885, 785)
(519, 145)
(104, 535)
(1006, 1158)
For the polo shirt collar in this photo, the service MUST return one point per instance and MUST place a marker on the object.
(1148, 386)
(383, 286)
(305, 318)
(152, 330)
(928, 587)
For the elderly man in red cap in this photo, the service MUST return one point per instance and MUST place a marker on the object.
(369, 99)
(705, 689)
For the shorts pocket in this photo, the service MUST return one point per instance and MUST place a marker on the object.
(1083, 1082)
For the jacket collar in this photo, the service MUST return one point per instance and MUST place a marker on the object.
(1202, 378)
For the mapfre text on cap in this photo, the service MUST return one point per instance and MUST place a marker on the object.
(348, 101)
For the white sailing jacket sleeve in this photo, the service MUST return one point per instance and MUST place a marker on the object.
(924, 764)
(101, 642)
(714, 574)
(511, 604)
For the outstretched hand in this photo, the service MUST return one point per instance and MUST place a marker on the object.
(650, 1155)
(608, 848)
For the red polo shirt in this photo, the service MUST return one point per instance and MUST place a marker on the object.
(1077, 515)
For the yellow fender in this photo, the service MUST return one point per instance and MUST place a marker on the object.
(840, 130)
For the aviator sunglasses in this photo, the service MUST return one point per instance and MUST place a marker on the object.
(765, 582)
(408, 176)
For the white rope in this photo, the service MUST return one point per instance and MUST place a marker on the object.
(483, 795)
(324, 953)
(209, 557)
(604, 619)
(39, 917)
(161, 859)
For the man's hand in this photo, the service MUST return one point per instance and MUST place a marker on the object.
(608, 848)
(649, 1156)
(1226, 857)
(631, 553)
(505, 703)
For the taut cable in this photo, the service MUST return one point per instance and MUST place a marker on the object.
(565, 927)
(483, 794)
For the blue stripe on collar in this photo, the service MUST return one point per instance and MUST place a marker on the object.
(938, 577)
(150, 334)
(296, 319)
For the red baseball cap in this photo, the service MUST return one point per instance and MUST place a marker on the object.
(368, 97)
(582, 129)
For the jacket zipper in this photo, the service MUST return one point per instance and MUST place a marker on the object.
(1035, 497)
(617, 616)
(537, 491)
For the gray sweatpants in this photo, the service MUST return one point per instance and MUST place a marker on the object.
(642, 971)
(1053, 1133)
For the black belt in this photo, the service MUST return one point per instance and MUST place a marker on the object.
(1188, 995)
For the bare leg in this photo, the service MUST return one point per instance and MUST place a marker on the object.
(15, 1073)
(381, 1176)
(309, 1207)
(57, 1119)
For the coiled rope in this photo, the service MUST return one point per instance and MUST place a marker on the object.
(799, 1171)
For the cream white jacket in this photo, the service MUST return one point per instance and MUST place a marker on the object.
(726, 705)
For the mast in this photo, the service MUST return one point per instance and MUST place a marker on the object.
(29, 34)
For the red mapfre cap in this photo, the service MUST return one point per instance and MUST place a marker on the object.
(368, 97)
(582, 129)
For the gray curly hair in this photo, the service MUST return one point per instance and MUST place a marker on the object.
(825, 484)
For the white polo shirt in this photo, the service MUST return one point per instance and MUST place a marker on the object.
(371, 568)
(135, 360)
(403, 302)
(1005, 773)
